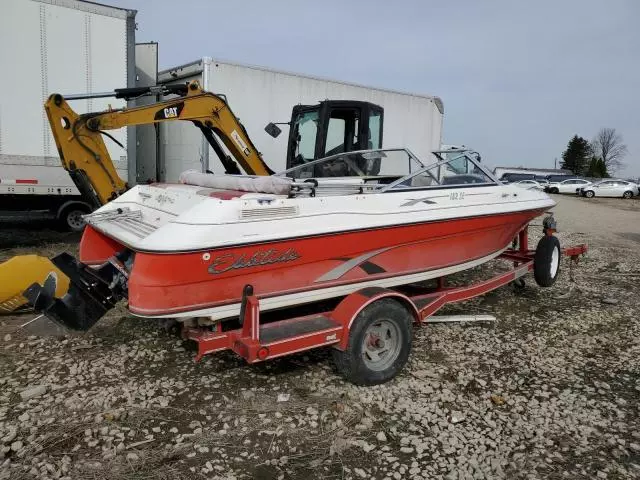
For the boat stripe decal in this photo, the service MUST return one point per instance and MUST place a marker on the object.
(340, 270)
(368, 267)
(415, 201)
(372, 268)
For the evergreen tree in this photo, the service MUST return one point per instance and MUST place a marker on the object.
(597, 168)
(602, 169)
(577, 156)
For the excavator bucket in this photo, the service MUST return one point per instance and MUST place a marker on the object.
(18, 273)
(90, 295)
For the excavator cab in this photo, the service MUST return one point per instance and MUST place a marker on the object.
(331, 127)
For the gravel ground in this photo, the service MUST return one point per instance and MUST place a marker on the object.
(547, 391)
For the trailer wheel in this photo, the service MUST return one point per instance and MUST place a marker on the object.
(546, 262)
(71, 218)
(379, 344)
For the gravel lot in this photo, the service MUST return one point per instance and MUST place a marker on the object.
(548, 391)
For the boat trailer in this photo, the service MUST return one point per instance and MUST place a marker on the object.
(368, 327)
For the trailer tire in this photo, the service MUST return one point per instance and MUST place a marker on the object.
(70, 217)
(369, 359)
(546, 261)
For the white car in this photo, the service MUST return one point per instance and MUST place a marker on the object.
(528, 184)
(567, 186)
(611, 188)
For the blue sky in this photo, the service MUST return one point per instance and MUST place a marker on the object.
(518, 79)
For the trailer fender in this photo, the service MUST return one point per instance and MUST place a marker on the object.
(349, 308)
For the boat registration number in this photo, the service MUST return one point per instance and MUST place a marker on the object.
(456, 195)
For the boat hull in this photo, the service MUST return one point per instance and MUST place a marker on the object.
(302, 270)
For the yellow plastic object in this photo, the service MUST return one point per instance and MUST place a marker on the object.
(19, 273)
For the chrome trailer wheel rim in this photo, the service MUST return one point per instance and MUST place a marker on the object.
(555, 262)
(381, 345)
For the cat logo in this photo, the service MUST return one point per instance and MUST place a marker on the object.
(169, 112)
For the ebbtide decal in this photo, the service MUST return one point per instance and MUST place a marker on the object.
(167, 113)
(230, 261)
(238, 139)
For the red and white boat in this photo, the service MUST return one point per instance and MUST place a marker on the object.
(322, 230)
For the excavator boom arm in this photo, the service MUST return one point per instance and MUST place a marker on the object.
(83, 153)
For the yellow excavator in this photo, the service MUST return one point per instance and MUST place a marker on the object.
(332, 126)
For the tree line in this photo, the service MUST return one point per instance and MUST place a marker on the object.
(599, 158)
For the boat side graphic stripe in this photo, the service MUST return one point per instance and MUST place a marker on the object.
(372, 268)
(340, 270)
(368, 267)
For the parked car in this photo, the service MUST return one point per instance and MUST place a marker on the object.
(610, 188)
(566, 186)
(516, 177)
(529, 184)
(541, 180)
(560, 178)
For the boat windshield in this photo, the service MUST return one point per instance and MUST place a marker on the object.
(367, 164)
(454, 168)
(368, 171)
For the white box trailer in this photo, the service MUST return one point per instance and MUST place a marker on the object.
(259, 95)
(57, 46)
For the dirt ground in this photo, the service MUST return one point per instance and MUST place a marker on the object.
(549, 390)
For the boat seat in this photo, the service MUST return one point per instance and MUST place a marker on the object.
(242, 183)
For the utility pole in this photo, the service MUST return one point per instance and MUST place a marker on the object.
(555, 163)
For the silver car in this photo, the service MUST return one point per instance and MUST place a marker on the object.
(566, 186)
(611, 188)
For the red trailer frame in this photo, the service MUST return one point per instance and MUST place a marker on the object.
(256, 342)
